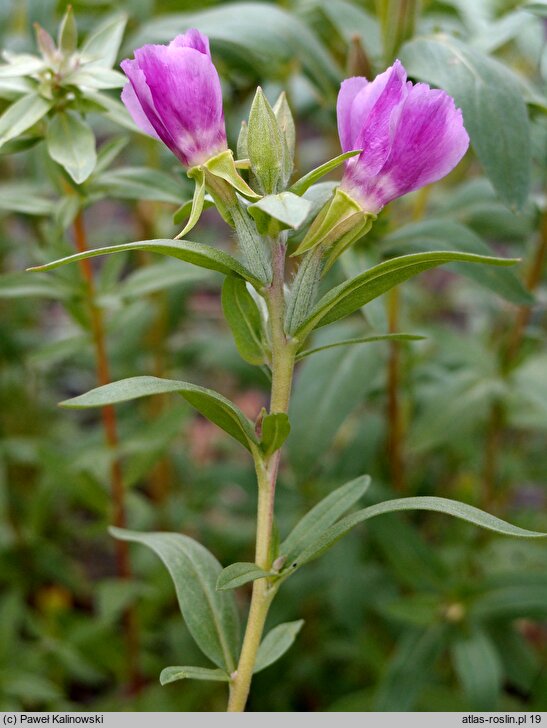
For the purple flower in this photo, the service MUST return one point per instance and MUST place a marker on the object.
(411, 135)
(174, 94)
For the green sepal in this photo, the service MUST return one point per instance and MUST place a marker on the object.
(275, 430)
(348, 239)
(197, 203)
(284, 211)
(223, 166)
(340, 216)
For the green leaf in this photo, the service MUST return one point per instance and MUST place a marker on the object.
(21, 64)
(244, 319)
(238, 574)
(276, 643)
(158, 277)
(449, 235)
(71, 143)
(103, 44)
(259, 40)
(275, 430)
(360, 340)
(479, 670)
(348, 297)
(25, 198)
(21, 115)
(196, 253)
(139, 183)
(20, 285)
(486, 91)
(287, 210)
(425, 503)
(538, 7)
(322, 516)
(98, 78)
(212, 405)
(305, 182)
(113, 110)
(172, 674)
(409, 670)
(211, 616)
(67, 39)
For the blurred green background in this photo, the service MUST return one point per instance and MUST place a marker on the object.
(408, 613)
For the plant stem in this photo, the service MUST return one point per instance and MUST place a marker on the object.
(108, 415)
(394, 413)
(283, 357)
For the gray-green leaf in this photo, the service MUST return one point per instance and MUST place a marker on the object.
(305, 182)
(212, 405)
(71, 143)
(442, 505)
(198, 254)
(348, 297)
(322, 516)
(244, 319)
(211, 616)
(21, 115)
(275, 430)
(486, 91)
(276, 643)
(360, 340)
(172, 674)
(238, 574)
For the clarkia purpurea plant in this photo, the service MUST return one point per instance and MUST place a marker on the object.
(395, 137)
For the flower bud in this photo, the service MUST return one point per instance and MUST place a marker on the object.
(265, 145)
(174, 94)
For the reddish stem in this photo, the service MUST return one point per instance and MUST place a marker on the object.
(108, 416)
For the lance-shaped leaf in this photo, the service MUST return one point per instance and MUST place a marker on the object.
(275, 430)
(360, 340)
(102, 45)
(321, 517)
(348, 297)
(276, 643)
(479, 669)
(424, 503)
(243, 316)
(486, 90)
(238, 574)
(210, 404)
(211, 616)
(21, 115)
(198, 254)
(172, 674)
(71, 143)
(305, 182)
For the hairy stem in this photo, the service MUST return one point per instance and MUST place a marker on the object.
(108, 416)
(283, 356)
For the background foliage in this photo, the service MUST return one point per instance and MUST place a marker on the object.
(407, 613)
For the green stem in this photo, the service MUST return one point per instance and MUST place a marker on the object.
(283, 357)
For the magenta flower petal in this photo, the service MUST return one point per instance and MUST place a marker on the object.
(133, 105)
(176, 92)
(410, 134)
